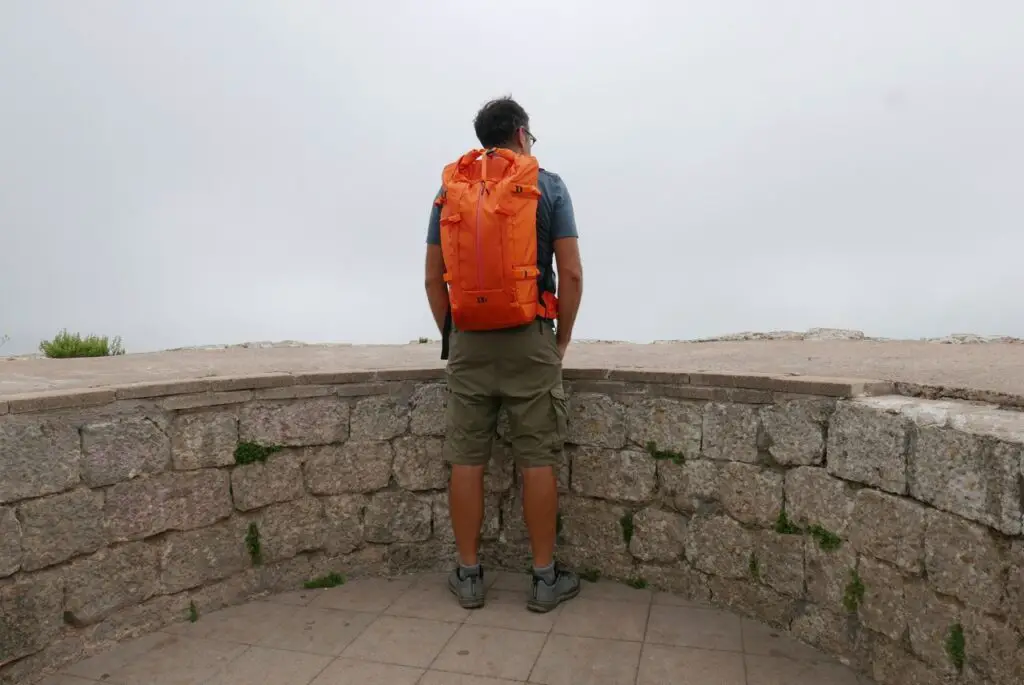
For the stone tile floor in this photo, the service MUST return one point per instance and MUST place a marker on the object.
(410, 630)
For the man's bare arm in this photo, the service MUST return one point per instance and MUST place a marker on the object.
(437, 290)
(570, 287)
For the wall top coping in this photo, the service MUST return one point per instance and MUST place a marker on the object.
(991, 372)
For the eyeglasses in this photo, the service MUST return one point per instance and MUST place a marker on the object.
(533, 138)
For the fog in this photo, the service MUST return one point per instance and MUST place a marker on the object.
(195, 172)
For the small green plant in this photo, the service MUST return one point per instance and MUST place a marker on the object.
(827, 540)
(424, 341)
(67, 345)
(250, 452)
(627, 526)
(854, 594)
(675, 457)
(193, 612)
(252, 543)
(784, 526)
(591, 575)
(956, 645)
(330, 580)
(637, 583)
(755, 567)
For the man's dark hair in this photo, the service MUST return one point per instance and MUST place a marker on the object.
(497, 121)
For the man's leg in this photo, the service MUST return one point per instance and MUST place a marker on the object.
(537, 411)
(472, 418)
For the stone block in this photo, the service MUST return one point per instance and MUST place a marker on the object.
(658, 536)
(690, 486)
(10, 542)
(883, 609)
(780, 562)
(419, 463)
(352, 467)
(204, 440)
(427, 416)
(499, 470)
(59, 527)
(888, 528)
(828, 573)
(343, 523)
(751, 494)
(671, 425)
(181, 500)
(491, 529)
(869, 445)
(721, 547)
(295, 423)
(892, 665)
(837, 635)
(41, 457)
(380, 418)
(31, 615)
(963, 559)
(795, 430)
(594, 538)
(110, 580)
(730, 432)
(679, 579)
(397, 516)
(970, 476)
(197, 557)
(123, 448)
(1015, 584)
(290, 528)
(813, 497)
(278, 479)
(753, 600)
(929, 618)
(993, 648)
(625, 475)
(596, 420)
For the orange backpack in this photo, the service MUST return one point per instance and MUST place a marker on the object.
(489, 241)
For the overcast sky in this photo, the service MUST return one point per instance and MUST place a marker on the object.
(208, 171)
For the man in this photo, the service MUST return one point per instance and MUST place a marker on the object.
(493, 208)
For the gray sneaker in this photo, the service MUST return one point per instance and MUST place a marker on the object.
(544, 597)
(468, 589)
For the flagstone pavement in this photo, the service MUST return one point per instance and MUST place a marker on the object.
(410, 631)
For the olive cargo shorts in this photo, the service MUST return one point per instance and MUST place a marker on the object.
(518, 369)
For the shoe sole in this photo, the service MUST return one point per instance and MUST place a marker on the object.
(474, 603)
(545, 607)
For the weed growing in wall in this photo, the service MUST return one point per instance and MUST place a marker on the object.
(637, 583)
(67, 345)
(251, 452)
(784, 526)
(193, 612)
(252, 543)
(627, 526)
(330, 580)
(827, 540)
(956, 646)
(675, 457)
(854, 594)
(591, 575)
(755, 567)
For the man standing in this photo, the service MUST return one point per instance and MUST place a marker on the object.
(497, 224)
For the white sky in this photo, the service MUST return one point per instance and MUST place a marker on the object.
(206, 171)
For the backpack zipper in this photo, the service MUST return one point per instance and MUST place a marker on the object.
(479, 238)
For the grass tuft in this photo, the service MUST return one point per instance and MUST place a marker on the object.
(68, 345)
(330, 580)
(251, 452)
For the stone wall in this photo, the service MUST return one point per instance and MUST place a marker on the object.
(885, 530)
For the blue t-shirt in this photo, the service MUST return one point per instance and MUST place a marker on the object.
(555, 220)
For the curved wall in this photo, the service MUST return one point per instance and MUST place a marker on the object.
(885, 530)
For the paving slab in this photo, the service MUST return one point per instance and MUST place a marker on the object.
(337, 637)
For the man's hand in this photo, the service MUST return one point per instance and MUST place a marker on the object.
(562, 347)
(437, 289)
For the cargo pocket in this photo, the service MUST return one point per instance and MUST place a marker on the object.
(561, 406)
